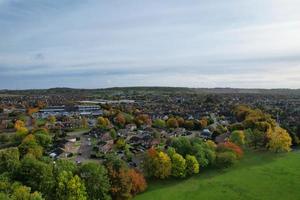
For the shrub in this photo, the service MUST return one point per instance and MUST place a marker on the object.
(159, 123)
(172, 123)
(225, 159)
(237, 137)
(229, 146)
(138, 182)
(192, 165)
(178, 165)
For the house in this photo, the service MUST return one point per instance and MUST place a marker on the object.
(206, 134)
(131, 127)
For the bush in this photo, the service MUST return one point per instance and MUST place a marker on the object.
(192, 165)
(237, 137)
(229, 146)
(225, 159)
(159, 123)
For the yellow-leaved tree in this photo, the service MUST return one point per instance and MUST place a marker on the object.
(279, 140)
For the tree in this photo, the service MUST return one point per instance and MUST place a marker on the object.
(70, 187)
(182, 145)
(64, 165)
(19, 124)
(143, 119)
(52, 119)
(21, 192)
(84, 122)
(172, 123)
(189, 124)
(42, 137)
(148, 162)
(180, 121)
(192, 165)
(96, 181)
(29, 145)
(157, 164)
(178, 165)
(255, 138)
(237, 137)
(36, 174)
(159, 123)
(120, 183)
(162, 165)
(9, 160)
(203, 123)
(120, 120)
(138, 182)
(229, 146)
(226, 159)
(113, 133)
(103, 122)
(120, 144)
(279, 140)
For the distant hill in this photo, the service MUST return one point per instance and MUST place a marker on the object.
(74, 91)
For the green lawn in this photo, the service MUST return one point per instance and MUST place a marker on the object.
(258, 176)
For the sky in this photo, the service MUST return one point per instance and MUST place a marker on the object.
(109, 43)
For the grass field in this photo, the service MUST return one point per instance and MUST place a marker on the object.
(258, 176)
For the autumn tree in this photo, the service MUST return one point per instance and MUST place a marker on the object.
(139, 183)
(172, 123)
(180, 121)
(120, 120)
(157, 164)
(279, 140)
(120, 181)
(143, 119)
(19, 124)
(103, 122)
(203, 122)
(189, 124)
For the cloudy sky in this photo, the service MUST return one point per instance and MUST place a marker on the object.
(106, 43)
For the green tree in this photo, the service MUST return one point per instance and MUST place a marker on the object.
(159, 123)
(70, 187)
(64, 165)
(21, 192)
(237, 137)
(9, 160)
(37, 174)
(192, 165)
(178, 165)
(96, 181)
(29, 145)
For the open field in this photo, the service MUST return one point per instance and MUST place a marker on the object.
(259, 176)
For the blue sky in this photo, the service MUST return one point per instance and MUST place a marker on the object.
(191, 43)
